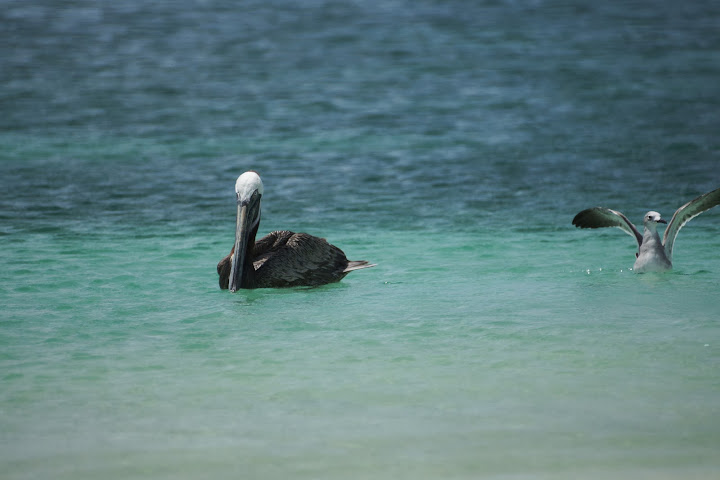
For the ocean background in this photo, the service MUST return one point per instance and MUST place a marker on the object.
(450, 142)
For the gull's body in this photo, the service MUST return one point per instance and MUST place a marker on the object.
(654, 255)
(280, 259)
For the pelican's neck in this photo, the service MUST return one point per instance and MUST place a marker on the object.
(247, 280)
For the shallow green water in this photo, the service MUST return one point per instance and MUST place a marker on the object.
(451, 145)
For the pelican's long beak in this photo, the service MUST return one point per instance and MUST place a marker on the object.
(242, 234)
(248, 189)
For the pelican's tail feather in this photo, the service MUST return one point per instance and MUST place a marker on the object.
(357, 265)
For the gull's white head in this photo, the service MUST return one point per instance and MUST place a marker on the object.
(247, 184)
(653, 218)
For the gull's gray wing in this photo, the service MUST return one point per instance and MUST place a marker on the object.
(599, 217)
(686, 213)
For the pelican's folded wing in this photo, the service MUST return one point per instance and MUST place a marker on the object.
(299, 259)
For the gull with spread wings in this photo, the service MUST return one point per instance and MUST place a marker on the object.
(653, 255)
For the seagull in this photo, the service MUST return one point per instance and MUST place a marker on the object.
(653, 255)
(281, 258)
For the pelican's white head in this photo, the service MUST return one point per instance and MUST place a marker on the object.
(652, 219)
(247, 184)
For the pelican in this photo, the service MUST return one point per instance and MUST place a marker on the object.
(280, 259)
(653, 255)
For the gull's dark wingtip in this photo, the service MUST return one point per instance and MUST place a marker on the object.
(581, 219)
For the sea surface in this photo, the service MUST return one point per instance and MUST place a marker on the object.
(450, 142)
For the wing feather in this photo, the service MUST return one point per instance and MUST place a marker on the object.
(600, 217)
(296, 259)
(686, 213)
(357, 265)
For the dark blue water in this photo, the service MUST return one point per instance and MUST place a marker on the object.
(451, 143)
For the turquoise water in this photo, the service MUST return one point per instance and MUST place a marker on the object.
(449, 142)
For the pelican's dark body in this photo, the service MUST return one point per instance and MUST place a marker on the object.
(279, 259)
(289, 259)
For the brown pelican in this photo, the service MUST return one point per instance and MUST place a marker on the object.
(280, 259)
(653, 255)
